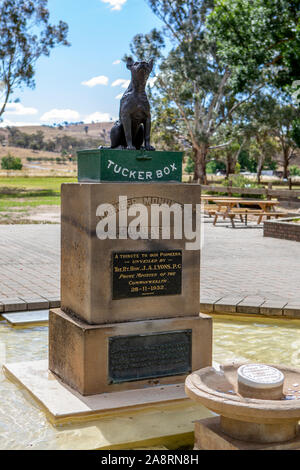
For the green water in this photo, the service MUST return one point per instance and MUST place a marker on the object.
(24, 426)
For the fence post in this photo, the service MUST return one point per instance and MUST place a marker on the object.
(290, 183)
(230, 188)
(269, 197)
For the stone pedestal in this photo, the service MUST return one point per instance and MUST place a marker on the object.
(94, 359)
(91, 288)
(210, 436)
(129, 316)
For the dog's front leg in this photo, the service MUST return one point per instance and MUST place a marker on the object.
(128, 132)
(147, 127)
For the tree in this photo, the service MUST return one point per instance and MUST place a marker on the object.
(25, 35)
(11, 163)
(262, 148)
(268, 123)
(286, 116)
(259, 38)
(230, 131)
(192, 80)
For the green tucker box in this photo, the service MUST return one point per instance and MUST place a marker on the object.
(136, 166)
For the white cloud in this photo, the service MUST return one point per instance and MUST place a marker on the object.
(101, 80)
(121, 82)
(116, 62)
(19, 110)
(115, 4)
(98, 117)
(118, 97)
(61, 115)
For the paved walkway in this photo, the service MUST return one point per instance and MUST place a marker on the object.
(241, 262)
(235, 263)
(29, 266)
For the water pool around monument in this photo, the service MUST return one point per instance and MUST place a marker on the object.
(24, 426)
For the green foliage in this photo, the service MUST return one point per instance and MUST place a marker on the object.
(258, 38)
(294, 170)
(189, 168)
(9, 162)
(237, 168)
(26, 34)
(270, 164)
(214, 165)
(247, 162)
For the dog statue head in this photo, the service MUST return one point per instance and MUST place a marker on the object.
(140, 71)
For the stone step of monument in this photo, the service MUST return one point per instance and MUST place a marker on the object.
(147, 418)
(27, 318)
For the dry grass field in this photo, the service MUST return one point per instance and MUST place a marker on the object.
(95, 130)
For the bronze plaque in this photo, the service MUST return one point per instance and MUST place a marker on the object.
(146, 273)
(149, 356)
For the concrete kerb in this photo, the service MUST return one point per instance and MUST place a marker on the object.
(218, 305)
(19, 304)
(243, 307)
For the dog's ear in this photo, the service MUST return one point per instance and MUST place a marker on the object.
(150, 63)
(129, 63)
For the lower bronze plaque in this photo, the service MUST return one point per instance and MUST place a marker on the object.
(145, 273)
(149, 356)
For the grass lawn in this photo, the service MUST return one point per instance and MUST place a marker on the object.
(19, 196)
(34, 183)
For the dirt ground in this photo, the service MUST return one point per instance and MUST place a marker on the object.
(32, 215)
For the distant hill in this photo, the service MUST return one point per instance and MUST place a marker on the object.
(57, 160)
(95, 130)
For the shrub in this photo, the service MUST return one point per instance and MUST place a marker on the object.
(190, 165)
(237, 168)
(11, 163)
(294, 170)
(214, 165)
(239, 181)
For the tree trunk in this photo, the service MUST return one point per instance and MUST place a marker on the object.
(260, 165)
(286, 162)
(200, 155)
(230, 165)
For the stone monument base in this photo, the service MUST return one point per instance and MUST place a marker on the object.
(209, 436)
(94, 359)
(62, 405)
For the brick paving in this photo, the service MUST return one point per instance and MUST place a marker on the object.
(29, 266)
(242, 263)
(236, 264)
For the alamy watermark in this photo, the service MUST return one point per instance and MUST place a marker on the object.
(152, 221)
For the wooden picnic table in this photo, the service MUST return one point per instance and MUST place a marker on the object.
(265, 206)
(216, 198)
(231, 207)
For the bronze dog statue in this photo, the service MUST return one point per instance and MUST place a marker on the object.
(134, 125)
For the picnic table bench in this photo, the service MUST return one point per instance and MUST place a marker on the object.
(244, 212)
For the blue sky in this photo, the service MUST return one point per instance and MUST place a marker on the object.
(75, 83)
